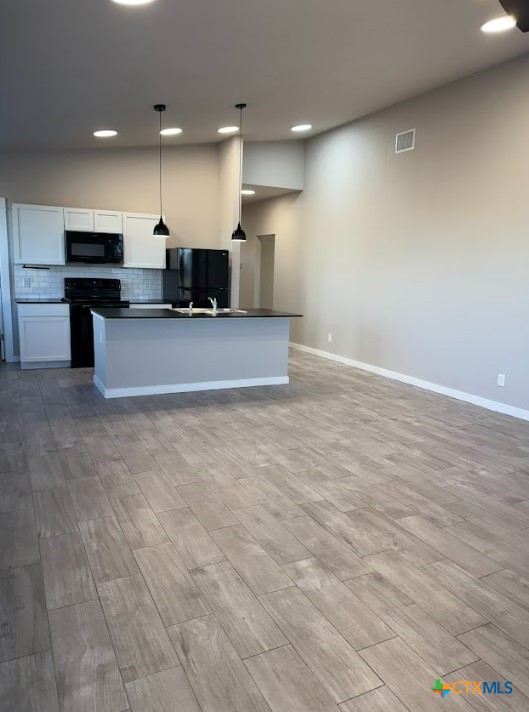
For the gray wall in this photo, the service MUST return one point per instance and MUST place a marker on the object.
(124, 179)
(266, 286)
(229, 166)
(417, 263)
(280, 164)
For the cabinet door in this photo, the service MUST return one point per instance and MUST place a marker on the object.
(79, 219)
(44, 338)
(142, 248)
(108, 221)
(38, 234)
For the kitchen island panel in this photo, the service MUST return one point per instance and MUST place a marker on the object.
(152, 356)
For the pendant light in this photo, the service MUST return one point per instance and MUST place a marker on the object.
(238, 235)
(161, 228)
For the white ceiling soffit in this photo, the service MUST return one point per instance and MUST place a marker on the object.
(69, 68)
(264, 192)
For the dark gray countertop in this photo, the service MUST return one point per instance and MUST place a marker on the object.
(169, 314)
(150, 301)
(58, 300)
(40, 300)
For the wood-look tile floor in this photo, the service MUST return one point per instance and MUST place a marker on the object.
(337, 544)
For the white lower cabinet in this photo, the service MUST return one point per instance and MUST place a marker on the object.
(44, 333)
(142, 248)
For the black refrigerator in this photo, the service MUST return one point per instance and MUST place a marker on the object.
(194, 275)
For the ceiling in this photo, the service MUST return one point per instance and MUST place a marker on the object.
(70, 67)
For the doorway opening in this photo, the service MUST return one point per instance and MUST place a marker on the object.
(265, 273)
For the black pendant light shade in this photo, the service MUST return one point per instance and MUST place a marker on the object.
(238, 235)
(160, 228)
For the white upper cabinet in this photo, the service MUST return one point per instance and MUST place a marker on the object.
(38, 234)
(142, 248)
(86, 220)
(108, 221)
(81, 219)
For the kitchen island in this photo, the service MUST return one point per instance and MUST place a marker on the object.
(152, 351)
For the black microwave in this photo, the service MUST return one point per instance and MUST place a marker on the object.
(96, 248)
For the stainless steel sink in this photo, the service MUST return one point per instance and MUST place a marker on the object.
(209, 312)
(212, 312)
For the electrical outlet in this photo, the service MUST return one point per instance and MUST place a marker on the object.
(501, 380)
(329, 338)
(27, 282)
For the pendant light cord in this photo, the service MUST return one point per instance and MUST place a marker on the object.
(241, 148)
(161, 208)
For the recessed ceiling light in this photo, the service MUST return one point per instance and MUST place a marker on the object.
(171, 132)
(247, 191)
(132, 2)
(499, 24)
(298, 128)
(228, 129)
(105, 133)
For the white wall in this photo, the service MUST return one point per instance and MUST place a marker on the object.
(266, 281)
(417, 263)
(229, 192)
(280, 164)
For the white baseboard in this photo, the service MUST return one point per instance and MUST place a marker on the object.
(496, 406)
(27, 365)
(188, 387)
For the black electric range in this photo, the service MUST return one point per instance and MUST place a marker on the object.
(82, 294)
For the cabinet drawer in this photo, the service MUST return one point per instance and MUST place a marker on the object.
(43, 310)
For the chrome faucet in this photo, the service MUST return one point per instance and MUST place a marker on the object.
(190, 307)
(213, 301)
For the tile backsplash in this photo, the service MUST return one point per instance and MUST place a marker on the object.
(135, 283)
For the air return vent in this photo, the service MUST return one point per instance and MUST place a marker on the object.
(405, 141)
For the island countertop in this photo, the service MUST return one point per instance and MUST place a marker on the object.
(112, 313)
